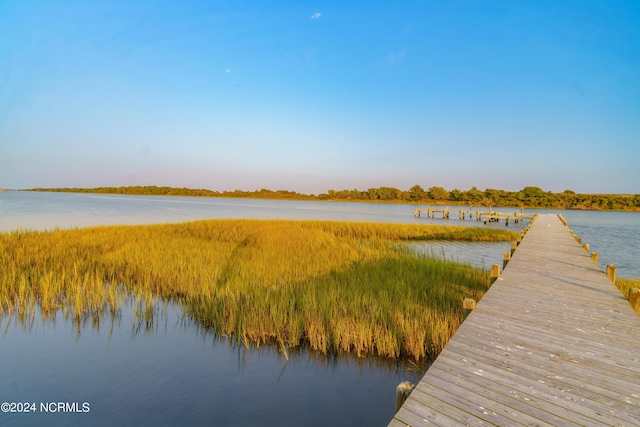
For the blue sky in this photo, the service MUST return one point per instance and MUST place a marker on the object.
(311, 96)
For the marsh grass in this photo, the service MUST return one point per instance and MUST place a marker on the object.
(625, 285)
(332, 286)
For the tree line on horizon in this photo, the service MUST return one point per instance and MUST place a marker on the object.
(528, 197)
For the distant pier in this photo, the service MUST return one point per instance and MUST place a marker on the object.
(484, 216)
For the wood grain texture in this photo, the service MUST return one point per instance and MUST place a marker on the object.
(553, 342)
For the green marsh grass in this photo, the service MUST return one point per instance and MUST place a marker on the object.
(332, 286)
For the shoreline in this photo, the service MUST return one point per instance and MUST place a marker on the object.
(292, 196)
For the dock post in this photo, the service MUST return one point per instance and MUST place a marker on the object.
(594, 257)
(586, 247)
(611, 272)
(634, 299)
(505, 259)
(467, 306)
(403, 391)
(495, 272)
(514, 245)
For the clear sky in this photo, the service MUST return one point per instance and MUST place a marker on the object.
(310, 96)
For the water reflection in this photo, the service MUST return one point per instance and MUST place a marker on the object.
(157, 316)
(141, 366)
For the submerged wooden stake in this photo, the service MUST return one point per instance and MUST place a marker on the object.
(403, 391)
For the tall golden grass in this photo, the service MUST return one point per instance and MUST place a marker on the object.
(625, 285)
(333, 286)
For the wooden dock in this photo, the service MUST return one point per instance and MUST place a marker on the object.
(553, 342)
(488, 216)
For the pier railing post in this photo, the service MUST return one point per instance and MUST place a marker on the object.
(634, 299)
(403, 391)
(611, 272)
(468, 305)
(495, 272)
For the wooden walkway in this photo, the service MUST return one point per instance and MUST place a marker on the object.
(488, 216)
(553, 342)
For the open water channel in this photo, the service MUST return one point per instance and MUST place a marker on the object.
(173, 373)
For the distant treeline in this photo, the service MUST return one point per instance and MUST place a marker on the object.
(152, 190)
(531, 197)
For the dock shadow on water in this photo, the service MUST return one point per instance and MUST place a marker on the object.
(147, 363)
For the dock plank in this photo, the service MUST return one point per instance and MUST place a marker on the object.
(553, 342)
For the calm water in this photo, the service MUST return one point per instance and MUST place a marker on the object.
(175, 374)
(614, 235)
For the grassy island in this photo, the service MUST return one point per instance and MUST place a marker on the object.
(333, 286)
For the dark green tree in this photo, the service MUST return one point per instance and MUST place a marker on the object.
(417, 193)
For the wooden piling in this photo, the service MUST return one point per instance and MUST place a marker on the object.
(403, 391)
(586, 247)
(505, 259)
(514, 246)
(594, 257)
(634, 299)
(495, 272)
(611, 272)
(469, 304)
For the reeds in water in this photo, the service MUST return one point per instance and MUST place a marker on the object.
(333, 286)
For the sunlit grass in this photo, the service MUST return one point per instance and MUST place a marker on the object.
(333, 286)
(625, 285)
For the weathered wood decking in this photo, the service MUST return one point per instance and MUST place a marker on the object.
(553, 342)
